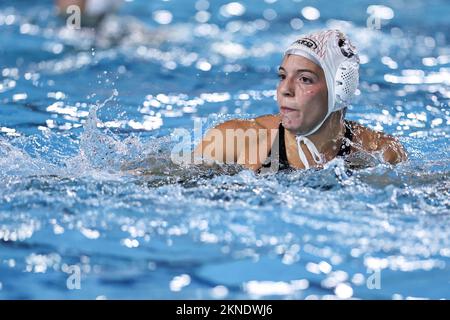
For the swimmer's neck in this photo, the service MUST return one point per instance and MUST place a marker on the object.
(327, 139)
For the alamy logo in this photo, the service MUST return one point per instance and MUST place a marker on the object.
(373, 22)
(74, 17)
(374, 280)
(73, 282)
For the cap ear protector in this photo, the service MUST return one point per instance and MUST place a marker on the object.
(347, 78)
(347, 75)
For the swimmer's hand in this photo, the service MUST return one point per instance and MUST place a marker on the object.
(393, 151)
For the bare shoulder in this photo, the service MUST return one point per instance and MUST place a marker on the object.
(371, 140)
(269, 121)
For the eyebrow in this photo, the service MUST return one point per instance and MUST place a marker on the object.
(299, 70)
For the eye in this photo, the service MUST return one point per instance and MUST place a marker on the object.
(281, 76)
(306, 80)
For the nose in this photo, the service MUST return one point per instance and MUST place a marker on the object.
(287, 88)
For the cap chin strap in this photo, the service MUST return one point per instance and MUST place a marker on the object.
(317, 157)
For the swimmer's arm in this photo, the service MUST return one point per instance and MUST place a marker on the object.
(215, 147)
(375, 141)
(392, 150)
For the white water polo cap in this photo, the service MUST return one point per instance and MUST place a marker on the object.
(334, 53)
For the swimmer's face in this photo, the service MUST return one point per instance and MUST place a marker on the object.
(301, 94)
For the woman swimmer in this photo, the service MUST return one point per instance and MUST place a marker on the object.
(318, 77)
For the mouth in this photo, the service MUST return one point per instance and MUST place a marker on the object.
(284, 109)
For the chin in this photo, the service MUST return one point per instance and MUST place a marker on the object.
(290, 123)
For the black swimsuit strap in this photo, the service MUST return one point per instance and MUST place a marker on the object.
(345, 148)
(283, 155)
(283, 160)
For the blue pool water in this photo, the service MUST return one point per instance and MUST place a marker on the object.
(76, 107)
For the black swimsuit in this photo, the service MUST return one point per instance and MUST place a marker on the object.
(283, 162)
